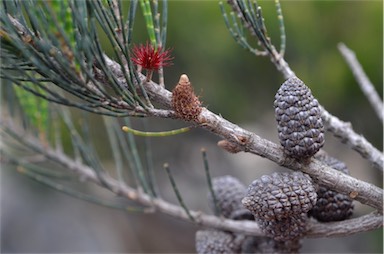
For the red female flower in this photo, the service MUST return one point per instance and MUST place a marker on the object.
(149, 58)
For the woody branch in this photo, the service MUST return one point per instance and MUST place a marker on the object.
(250, 142)
(361, 224)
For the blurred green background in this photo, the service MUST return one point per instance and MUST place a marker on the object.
(239, 86)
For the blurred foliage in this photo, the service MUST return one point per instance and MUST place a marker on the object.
(35, 108)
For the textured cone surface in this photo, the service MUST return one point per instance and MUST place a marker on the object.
(289, 246)
(184, 101)
(280, 195)
(285, 229)
(331, 205)
(229, 192)
(254, 244)
(297, 112)
(217, 242)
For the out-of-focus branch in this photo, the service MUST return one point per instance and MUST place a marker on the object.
(361, 224)
(362, 79)
(346, 134)
(364, 223)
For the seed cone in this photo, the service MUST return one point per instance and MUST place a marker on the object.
(280, 203)
(280, 195)
(184, 101)
(229, 192)
(331, 205)
(297, 112)
(285, 229)
(217, 242)
(254, 244)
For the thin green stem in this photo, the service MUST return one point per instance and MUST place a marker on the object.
(131, 19)
(126, 152)
(116, 153)
(177, 192)
(164, 20)
(155, 134)
(209, 181)
(149, 165)
(137, 162)
(147, 13)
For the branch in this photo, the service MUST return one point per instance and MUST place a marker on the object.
(250, 142)
(340, 129)
(363, 223)
(346, 134)
(362, 79)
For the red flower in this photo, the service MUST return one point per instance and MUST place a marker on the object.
(150, 58)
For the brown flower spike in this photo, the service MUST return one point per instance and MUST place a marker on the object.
(184, 101)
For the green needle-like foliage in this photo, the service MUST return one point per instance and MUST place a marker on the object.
(247, 15)
(147, 13)
(55, 45)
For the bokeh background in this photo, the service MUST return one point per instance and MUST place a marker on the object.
(239, 86)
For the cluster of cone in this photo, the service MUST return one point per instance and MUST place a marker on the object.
(281, 203)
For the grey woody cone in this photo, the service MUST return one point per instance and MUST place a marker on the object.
(280, 203)
(300, 127)
(255, 244)
(217, 242)
(280, 195)
(285, 229)
(331, 205)
(229, 192)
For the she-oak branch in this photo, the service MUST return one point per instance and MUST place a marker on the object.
(364, 223)
(249, 142)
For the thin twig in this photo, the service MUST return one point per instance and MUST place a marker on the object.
(283, 37)
(177, 192)
(347, 135)
(209, 181)
(362, 79)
